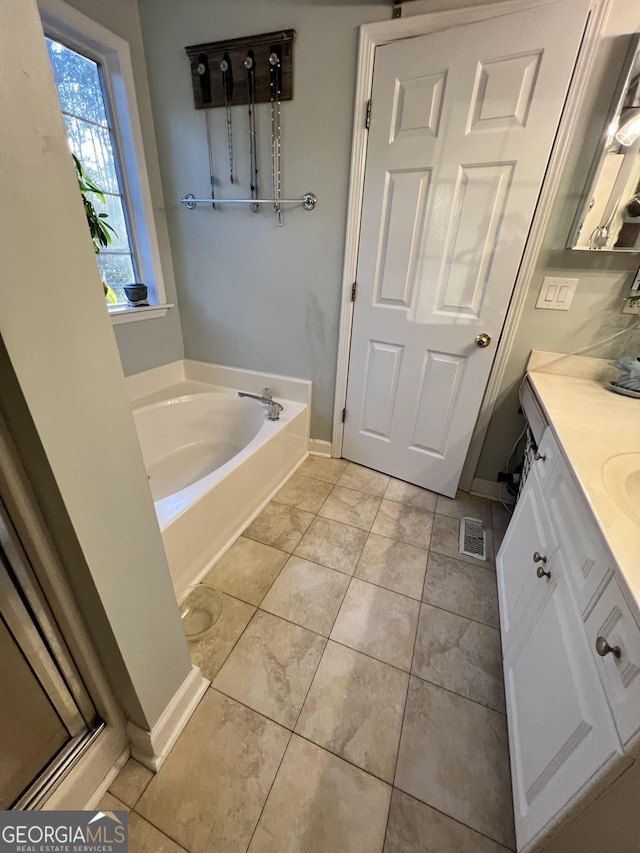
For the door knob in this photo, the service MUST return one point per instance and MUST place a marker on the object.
(603, 648)
(483, 340)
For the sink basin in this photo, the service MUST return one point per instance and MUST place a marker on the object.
(621, 478)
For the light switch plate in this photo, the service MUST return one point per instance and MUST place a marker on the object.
(629, 307)
(556, 294)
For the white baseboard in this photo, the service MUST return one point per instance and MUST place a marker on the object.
(319, 447)
(152, 748)
(490, 490)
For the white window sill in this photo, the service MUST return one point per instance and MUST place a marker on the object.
(125, 314)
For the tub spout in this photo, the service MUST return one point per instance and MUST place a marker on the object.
(273, 412)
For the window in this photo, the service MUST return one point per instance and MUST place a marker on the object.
(91, 139)
(94, 77)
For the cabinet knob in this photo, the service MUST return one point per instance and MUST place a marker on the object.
(539, 457)
(603, 648)
(542, 573)
(538, 558)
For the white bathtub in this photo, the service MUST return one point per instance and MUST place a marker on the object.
(213, 460)
(187, 439)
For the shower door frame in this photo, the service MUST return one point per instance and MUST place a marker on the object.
(376, 35)
(83, 769)
(29, 621)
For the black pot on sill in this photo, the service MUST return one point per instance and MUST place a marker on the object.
(136, 294)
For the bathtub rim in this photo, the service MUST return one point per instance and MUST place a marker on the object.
(165, 513)
(183, 572)
(152, 383)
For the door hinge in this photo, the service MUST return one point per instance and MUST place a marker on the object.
(344, 415)
(367, 121)
(354, 287)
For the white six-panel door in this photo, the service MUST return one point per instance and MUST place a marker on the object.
(462, 126)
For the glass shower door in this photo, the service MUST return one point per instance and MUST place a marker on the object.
(46, 716)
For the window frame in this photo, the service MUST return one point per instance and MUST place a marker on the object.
(65, 24)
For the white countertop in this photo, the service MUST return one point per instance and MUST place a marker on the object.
(592, 425)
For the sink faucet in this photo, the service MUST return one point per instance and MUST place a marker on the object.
(274, 408)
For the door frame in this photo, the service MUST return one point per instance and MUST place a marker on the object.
(373, 36)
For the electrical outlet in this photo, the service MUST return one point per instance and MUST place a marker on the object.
(556, 294)
(633, 307)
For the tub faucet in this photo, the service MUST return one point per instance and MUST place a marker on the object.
(274, 408)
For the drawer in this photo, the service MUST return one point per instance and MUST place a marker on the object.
(612, 620)
(587, 560)
(529, 532)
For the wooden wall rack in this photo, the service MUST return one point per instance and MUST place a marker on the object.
(208, 91)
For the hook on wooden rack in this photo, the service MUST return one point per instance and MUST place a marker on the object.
(209, 89)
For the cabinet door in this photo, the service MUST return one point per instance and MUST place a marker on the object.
(546, 458)
(528, 532)
(612, 621)
(561, 733)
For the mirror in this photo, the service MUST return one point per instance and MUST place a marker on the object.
(609, 215)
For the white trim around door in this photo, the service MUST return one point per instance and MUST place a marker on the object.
(371, 37)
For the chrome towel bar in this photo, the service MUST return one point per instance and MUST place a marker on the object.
(308, 201)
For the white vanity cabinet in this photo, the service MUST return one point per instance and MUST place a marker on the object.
(570, 711)
(528, 534)
(614, 640)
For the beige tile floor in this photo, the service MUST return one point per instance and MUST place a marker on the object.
(357, 703)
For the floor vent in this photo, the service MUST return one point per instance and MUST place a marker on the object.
(473, 538)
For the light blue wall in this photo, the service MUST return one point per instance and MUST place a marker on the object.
(257, 297)
(252, 295)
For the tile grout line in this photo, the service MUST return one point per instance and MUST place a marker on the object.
(256, 609)
(342, 758)
(477, 564)
(273, 782)
(366, 580)
(460, 695)
(366, 654)
(274, 499)
(359, 651)
(139, 797)
(249, 708)
(292, 730)
(406, 698)
(382, 496)
(460, 615)
(323, 653)
(404, 713)
(454, 819)
(237, 640)
(389, 589)
(161, 831)
(299, 734)
(488, 567)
